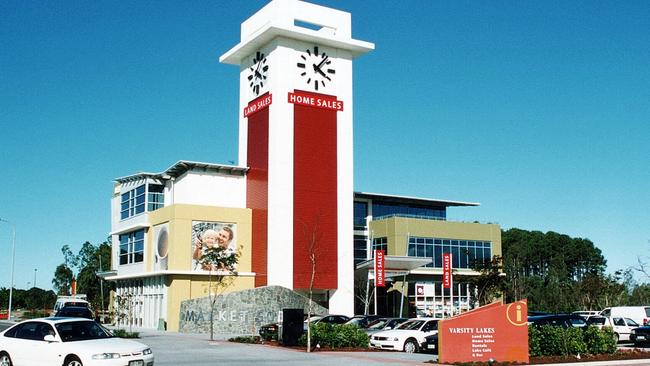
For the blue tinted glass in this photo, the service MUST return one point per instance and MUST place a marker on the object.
(437, 259)
(124, 215)
(139, 190)
(124, 259)
(138, 246)
(139, 209)
(454, 242)
(438, 241)
(125, 197)
(471, 243)
(429, 251)
(455, 257)
(486, 254)
(139, 200)
(138, 257)
(420, 250)
(463, 258)
(445, 242)
(428, 241)
(479, 254)
(412, 250)
(139, 234)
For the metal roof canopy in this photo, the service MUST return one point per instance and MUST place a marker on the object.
(412, 200)
(395, 265)
(182, 166)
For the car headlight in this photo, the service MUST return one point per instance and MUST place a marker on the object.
(106, 356)
(147, 351)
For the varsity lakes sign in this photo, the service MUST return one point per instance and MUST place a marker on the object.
(493, 332)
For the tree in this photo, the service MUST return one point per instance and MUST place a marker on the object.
(221, 262)
(491, 283)
(86, 263)
(62, 280)
(313, 237)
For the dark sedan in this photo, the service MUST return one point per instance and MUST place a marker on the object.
(640, 335)
(75, 312)
(430, 344)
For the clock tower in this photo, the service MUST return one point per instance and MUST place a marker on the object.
(295, 135)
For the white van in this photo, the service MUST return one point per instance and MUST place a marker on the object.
(77, 300)
(640, 314)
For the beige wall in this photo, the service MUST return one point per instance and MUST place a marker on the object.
(184, 287)
(398, 229)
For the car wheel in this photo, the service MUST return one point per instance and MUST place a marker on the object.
(411, 346)
(616, 337)
(5, 360)
(73, 361)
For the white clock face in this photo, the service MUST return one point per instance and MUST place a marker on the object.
(258, 73)
(316, 68)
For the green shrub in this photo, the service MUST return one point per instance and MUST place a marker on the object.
(245, 339)
(550, 340)
(336, 336)
(121, 333)
(600, 341)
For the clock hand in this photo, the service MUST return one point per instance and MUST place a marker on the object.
(322, 62)
(318, 70)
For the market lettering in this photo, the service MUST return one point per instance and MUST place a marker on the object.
(315, 101)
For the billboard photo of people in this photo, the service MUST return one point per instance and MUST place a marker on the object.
(209, 234)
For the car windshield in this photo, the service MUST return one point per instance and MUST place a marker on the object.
(377, 324)
(410, 325)
(81, 331)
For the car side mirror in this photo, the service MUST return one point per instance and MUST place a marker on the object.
(49, 338)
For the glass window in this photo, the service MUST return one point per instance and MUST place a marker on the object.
(132, 247)
(360, 215)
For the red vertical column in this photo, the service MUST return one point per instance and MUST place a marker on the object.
(315, 195)
(257, 190)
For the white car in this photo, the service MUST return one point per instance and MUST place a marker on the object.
(406, 337)
(68, 342)
(622, 326)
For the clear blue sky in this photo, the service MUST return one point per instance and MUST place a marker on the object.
(539, 110)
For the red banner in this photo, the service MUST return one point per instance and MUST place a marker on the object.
(446, 270)
(316, 100)
(257, 105)
(379, 269)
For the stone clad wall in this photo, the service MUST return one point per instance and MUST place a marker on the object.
(241, 312)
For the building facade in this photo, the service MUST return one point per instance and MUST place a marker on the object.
(291, 195)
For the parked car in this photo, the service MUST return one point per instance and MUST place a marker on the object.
(430, 343)
(640, 314)
(63, 301)
(328, 319)
(586, 314)
(407, 337)
(75, 312)
(622, 326)
(561, 320)
(362, 321)
(383, 324)
(69, 342)
(641, 335)
(269, 331)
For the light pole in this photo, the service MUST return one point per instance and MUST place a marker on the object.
(13, 257)
(35, 269)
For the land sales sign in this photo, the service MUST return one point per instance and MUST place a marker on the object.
(380, 270)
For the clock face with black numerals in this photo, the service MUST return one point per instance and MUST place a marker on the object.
(258, 73)
(315, 67)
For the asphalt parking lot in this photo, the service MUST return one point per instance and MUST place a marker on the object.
(196, 349)
(172, 348)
